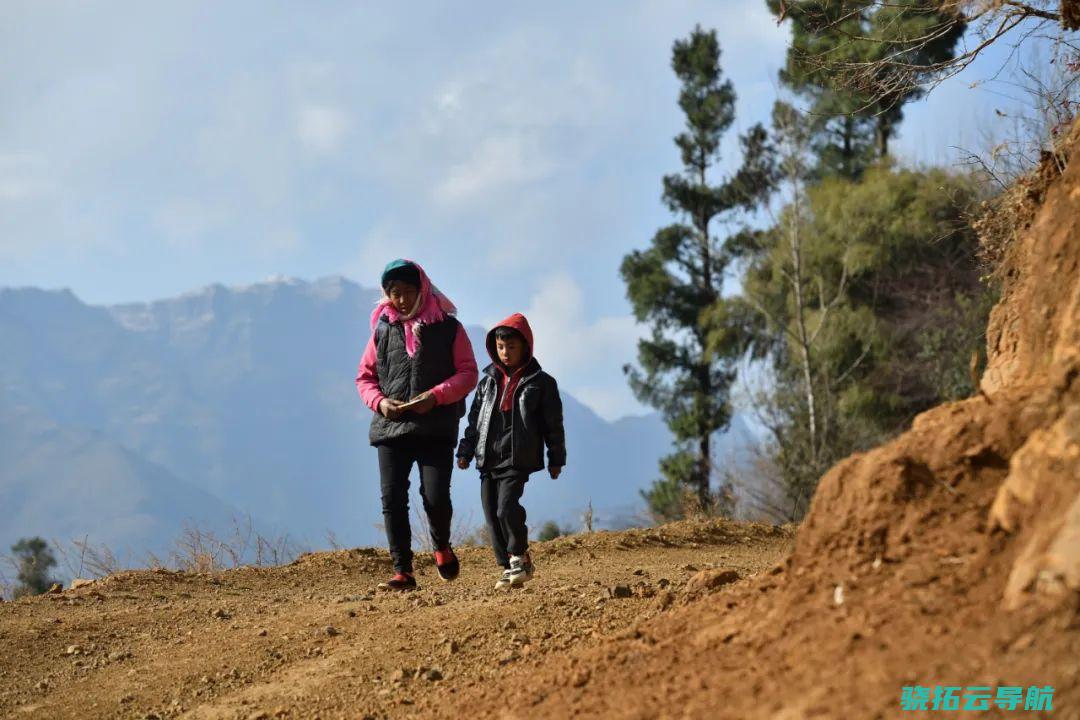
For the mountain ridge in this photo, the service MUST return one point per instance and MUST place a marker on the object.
(245, 393)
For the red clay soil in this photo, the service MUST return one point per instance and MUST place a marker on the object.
(948, 557)
(314, 639)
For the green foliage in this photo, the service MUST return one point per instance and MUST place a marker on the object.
(946, 344)
(836, 62)
(673, 497)
(34, 559)
(674, 285)
(550, 530)
(871, 308)
(666, 500)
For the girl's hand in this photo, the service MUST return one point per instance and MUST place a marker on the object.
(463, 463)
(423, 403)
(389, 409)
(554, 471)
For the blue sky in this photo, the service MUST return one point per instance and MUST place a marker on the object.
(516, 150)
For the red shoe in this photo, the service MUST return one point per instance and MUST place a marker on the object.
(401, 582)
(447, 564)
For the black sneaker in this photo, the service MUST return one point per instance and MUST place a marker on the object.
(447, 564)
(401, 582)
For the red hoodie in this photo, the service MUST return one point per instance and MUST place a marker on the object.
(508, 382)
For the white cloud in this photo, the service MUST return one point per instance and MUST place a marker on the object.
(185, 222)
(499, 121)
(22, 177)
(321, 128)
(585, 355)
(610, 402)
(307, 74)
(281, 240)
(502, 164)
(378, 246)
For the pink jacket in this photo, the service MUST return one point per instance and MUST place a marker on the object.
(433, 306)
(454, 388)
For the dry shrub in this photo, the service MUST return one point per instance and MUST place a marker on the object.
(463, 531)
(1006, 216)
(200, 550)
(83, 559)
(718, 504)
(7, 587)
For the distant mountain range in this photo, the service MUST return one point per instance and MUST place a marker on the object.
(123, 423)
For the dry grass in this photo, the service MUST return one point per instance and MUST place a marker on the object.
(463, 531)
(1010, 213)
(200, 550)
(196, 549)
(81, 558)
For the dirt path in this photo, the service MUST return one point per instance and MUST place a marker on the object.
(315, 639)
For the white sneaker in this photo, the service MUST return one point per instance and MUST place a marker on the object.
(521, 570)
(504, 581)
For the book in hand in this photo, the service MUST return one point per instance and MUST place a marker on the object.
(410, 405)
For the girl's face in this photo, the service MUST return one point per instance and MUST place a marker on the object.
(403, 296)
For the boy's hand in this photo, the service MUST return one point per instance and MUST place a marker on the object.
(389, 409)
(463, 463)
(423, 403)
(554, 471)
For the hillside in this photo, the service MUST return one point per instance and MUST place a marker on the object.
(315, 639)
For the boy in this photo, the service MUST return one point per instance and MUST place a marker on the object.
(516, 412)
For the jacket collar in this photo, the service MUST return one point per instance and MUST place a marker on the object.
(532, 367)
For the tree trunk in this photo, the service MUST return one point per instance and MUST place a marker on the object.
(795, 240)
(849, 131)
(705, 448)
(705, 387)
(882, 133)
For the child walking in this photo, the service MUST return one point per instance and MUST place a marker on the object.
(516, 412)
(416, 370)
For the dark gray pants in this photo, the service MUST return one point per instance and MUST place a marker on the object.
(435, 456)
(500, 496)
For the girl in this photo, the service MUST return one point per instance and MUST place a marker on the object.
(416, 371)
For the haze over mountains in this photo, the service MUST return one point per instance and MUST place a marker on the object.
(123, 423)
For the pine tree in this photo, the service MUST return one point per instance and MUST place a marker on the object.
(844, 58)
(35, 559)
(675, 284)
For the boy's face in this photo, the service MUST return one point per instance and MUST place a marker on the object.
(402, 296)
(511, 351)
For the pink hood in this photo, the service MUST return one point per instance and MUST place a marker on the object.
(432, 306)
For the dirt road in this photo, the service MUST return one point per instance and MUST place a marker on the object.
(315, 639)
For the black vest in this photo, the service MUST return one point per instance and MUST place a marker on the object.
(402, 378)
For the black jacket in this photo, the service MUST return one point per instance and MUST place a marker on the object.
(402, 378)
(537, 420)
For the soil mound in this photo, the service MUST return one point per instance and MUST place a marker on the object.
(948, 557)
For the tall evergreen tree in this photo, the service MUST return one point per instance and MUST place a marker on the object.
(675, 284)
(35, 559)
(845, 59)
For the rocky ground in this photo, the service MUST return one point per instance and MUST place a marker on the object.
(316, 639)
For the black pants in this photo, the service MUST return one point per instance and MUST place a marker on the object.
(500, 496)
(435, 456)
